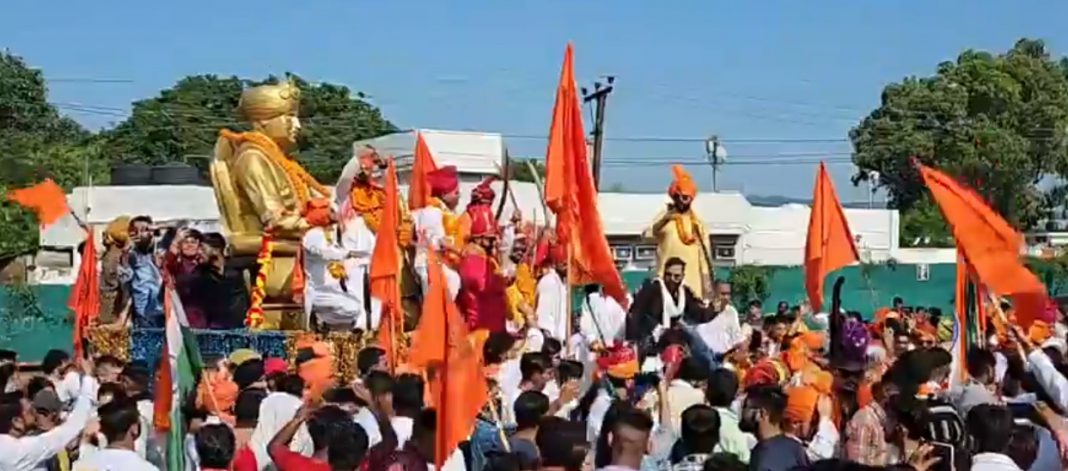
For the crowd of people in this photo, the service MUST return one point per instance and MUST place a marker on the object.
(673, 377)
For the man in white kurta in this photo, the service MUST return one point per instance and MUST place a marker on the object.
(333, 288)
(552, 305)
(437, 228)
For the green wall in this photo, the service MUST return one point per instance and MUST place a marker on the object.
(860, 293)
(32, 332)
(34, 319)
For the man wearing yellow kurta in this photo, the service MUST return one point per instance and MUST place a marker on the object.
(679, 232)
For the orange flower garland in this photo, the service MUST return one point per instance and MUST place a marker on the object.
(368, 201)
(298, 178)
(254, 317)
(687, 237)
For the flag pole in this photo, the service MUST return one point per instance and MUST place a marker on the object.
(570, 277)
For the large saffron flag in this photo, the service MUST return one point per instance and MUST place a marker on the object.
(85, 295)
(422, 164)
(176, 377)
(829, 245)
(46, 199)
(989, 243)
(571, 195)
(460, 390)
(385, 268)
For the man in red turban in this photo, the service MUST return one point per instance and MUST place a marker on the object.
(438, 227)
(482, 285)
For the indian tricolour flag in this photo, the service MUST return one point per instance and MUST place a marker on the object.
(176, 376)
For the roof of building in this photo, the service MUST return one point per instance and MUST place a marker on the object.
(99, 205)
(469, 151)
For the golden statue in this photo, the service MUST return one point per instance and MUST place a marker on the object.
(260, 188)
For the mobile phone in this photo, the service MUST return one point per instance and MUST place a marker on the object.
(947, 457)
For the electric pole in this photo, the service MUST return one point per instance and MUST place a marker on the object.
(599, 96)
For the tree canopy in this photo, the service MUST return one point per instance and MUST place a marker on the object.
(997, 122)
(182, 124)
(35, 143)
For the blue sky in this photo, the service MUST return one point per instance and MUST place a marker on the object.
(781, 82)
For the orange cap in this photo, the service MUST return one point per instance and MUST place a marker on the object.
(801, 403)
(683, 184)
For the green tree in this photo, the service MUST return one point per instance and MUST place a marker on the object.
(520, 169)
(182, 123)
(997, 122)
(35, 143)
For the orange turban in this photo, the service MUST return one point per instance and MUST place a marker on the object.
(317, 212)
(801, 404)
(813, 341)
(217, 394)
(765, 372)
(683, 184)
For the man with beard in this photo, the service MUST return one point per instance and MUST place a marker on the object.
(143, 275)
(680, 234)
(220, 288)
(522, 287)
(762, 413)
(482, 288)
(662, 301)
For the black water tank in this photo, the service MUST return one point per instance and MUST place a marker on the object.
(131, 175)
(175, 174)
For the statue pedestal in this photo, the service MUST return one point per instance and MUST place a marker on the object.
(284, 316)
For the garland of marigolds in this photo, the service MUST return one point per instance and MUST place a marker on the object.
(254, 318)
(685, 235)
(298, 178)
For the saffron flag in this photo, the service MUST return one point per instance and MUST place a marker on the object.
(85, 295)
(385, 268)
(571, 195)
(176, 377)
(460, 390)
(989, 244)
(46, 199)
(422, 164)
(829, 245)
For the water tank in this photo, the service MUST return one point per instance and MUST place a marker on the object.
(175, 174)
(131, 175)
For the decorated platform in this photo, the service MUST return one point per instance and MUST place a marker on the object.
(147, 344)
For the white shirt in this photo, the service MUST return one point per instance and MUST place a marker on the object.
(723, 332)
(333, 304)
(367, 420)
(145, 446)
(430, 234)
(993, 462)
(552, 305)
(402, 426)
(114, 459)
(28, 453)
(67, 388)
(610, 319)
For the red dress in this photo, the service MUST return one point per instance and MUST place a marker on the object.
(481, 299)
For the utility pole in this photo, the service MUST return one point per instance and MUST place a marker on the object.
(600, 97)
(717, 155)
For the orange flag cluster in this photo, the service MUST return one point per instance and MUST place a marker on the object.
(571, 195)
(385, 269)
(989, 244)
(829, 245)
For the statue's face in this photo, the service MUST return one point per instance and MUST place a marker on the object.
(283, 129)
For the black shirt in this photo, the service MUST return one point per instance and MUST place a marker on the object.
(224, 296)
(781, 453)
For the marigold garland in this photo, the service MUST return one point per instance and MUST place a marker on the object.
(298, 178)
(685, 235)
(368, 201)
(254, 319)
